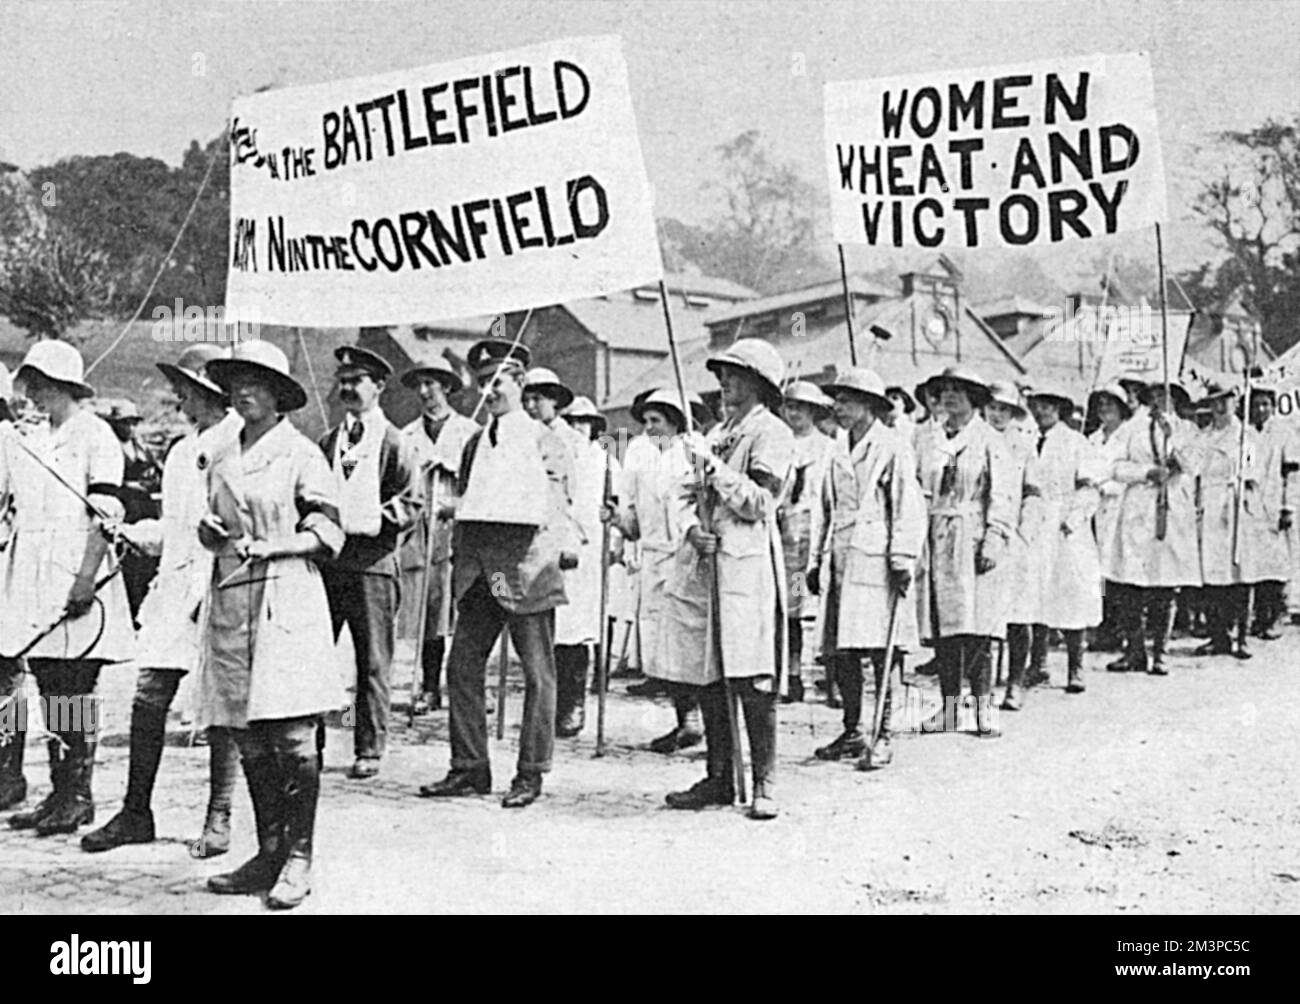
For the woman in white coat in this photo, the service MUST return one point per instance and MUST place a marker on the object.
(62, 600)
(270, 669)
(873, 523)
(171, 620)
(1064, 570)
(974, 503)
(1110, 406)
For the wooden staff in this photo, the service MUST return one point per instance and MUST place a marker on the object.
(1162, 496)
(848, 308)
(606, 636)
(713, 642)
(887, 676)
(426, 577)
(1239, 488)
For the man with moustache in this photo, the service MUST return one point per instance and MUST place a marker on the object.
(372, 474)
(434, 442)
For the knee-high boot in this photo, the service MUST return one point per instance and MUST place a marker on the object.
(1017, 657)
(301, 794)
(265, 789)
(881, 753)
(431, 657)
(979, 662)
(949, 657)
(1128, 616)
(760, 727)
(571, 689)
(1074, 662)
(13, 785)
(847, 671)
(1037, 675)
(58, 768)
(718, 786)
(77, 807)
(1159, 607)
(135, 824)
(223, 762)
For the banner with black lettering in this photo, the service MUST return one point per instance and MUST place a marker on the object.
(1008, 156)
(494, 183)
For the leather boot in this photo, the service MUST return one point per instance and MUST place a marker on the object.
(1128, 624)
(300, 795)
(13, 786)
(1036, 675)
(1159, 609)
(1074, 662)
(77, 808)
(135, 824)
(881, 754)
(947, 656)
(848, 678)
(431, 656)
(689, 730)
(571, 686)
(980, 661)
(28, 820)
(1017, 658)
(760, 727)
(223, 761)
(265, 789)
(718, 786)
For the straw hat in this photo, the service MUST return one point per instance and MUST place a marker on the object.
(969, 380)
(810, 394)
(1116, 393)
(756, 356)
(1052, 392)
(260, 359)
(1004, 392)
(545, 382)
(60, 362)
(665, 400)
(861, 381)
(583, 409)
(191, 368)
(438, 369)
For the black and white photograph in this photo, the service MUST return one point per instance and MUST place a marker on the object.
(651, 457)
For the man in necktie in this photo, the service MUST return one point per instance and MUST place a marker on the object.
(513, 540)
(373, 476)
(434, 442)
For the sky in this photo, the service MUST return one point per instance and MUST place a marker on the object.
(102, 77)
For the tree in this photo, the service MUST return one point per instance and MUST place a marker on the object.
(53, 281)
(765, 237)
(1253, 207)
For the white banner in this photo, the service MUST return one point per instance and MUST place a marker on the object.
(490, 184)
(1007, 156)
(1134, 344)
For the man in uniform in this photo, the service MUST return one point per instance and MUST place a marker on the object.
(512, 543)
(372, 474)
(872, 525)
(744, 467)
(804, 405)
(434, 443)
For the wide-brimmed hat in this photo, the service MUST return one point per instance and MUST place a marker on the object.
(909, 402)
(490, 353)
(355, 359)
(191, 368)
(755, 355)
(542, 381)
(858, 380)
(438, 369)
(1004, 392)
(259, 358)
(1116, 393)
(663, 399)
(810, 394)
(925, 387)
(6, 384)
(583, 409)
(969, 380)
(1176, 390)
(60, 362)
(1215, 390)
(1052, 392)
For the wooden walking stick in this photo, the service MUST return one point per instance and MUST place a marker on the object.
(426, 577)
(606, 636)
(848, 309)
(1162, 496)
(713, 642)
(887, 673)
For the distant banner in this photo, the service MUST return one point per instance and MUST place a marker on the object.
(1007, 156)
(490, 184)
(1133, 345)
